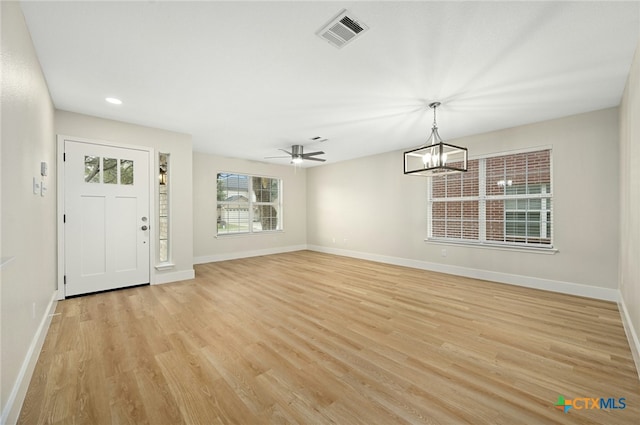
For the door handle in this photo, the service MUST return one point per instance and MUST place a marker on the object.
(144, 227)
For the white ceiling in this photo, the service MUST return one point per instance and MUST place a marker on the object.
(247, 78)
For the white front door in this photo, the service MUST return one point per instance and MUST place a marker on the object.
(106, 217)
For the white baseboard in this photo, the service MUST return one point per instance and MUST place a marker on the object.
(247, 254)
(12, 408)
(512, 279)
(570, 288)
(161, 278)
(632, 335)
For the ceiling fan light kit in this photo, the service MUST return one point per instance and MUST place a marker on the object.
(298, 156)
(435, 157)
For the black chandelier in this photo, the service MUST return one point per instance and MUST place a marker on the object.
(435, 157)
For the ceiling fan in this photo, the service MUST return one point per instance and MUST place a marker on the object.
(297, 155)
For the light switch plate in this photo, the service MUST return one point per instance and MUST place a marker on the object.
(36, 186)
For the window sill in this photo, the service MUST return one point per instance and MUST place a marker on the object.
(247, 234)
(494, 246)
(165, 266)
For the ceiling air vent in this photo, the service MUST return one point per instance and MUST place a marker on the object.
(343, 29)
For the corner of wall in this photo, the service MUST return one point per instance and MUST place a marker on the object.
(629, 199)
(630, 331)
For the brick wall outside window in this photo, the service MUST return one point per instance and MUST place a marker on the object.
(455, 215)
(502, 199)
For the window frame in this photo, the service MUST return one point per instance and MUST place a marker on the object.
(252, 204)
(482, 199)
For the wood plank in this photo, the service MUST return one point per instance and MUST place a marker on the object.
(306, 337)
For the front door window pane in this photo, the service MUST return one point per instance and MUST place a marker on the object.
(92, 169)
(126, 171)
(110, 170)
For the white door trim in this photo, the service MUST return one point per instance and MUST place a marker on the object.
(61, 197)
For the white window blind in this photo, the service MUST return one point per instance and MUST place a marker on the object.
(248, 204)
(505, 199)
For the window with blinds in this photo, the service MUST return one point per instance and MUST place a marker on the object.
(248, 204)
(504, 199)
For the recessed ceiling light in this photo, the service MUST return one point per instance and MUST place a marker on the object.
(113, 100)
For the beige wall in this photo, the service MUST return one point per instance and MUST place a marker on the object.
(208, 247)
(630, 206)
(179, 146)
(367, 207)
(28, 282)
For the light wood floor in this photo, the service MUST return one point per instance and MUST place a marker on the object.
(311, 338)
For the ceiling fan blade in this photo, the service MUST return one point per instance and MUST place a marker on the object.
(270, 157)
(314, 159)
(313, 153)
(285, 151)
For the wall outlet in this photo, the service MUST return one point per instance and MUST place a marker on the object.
(443, 252)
